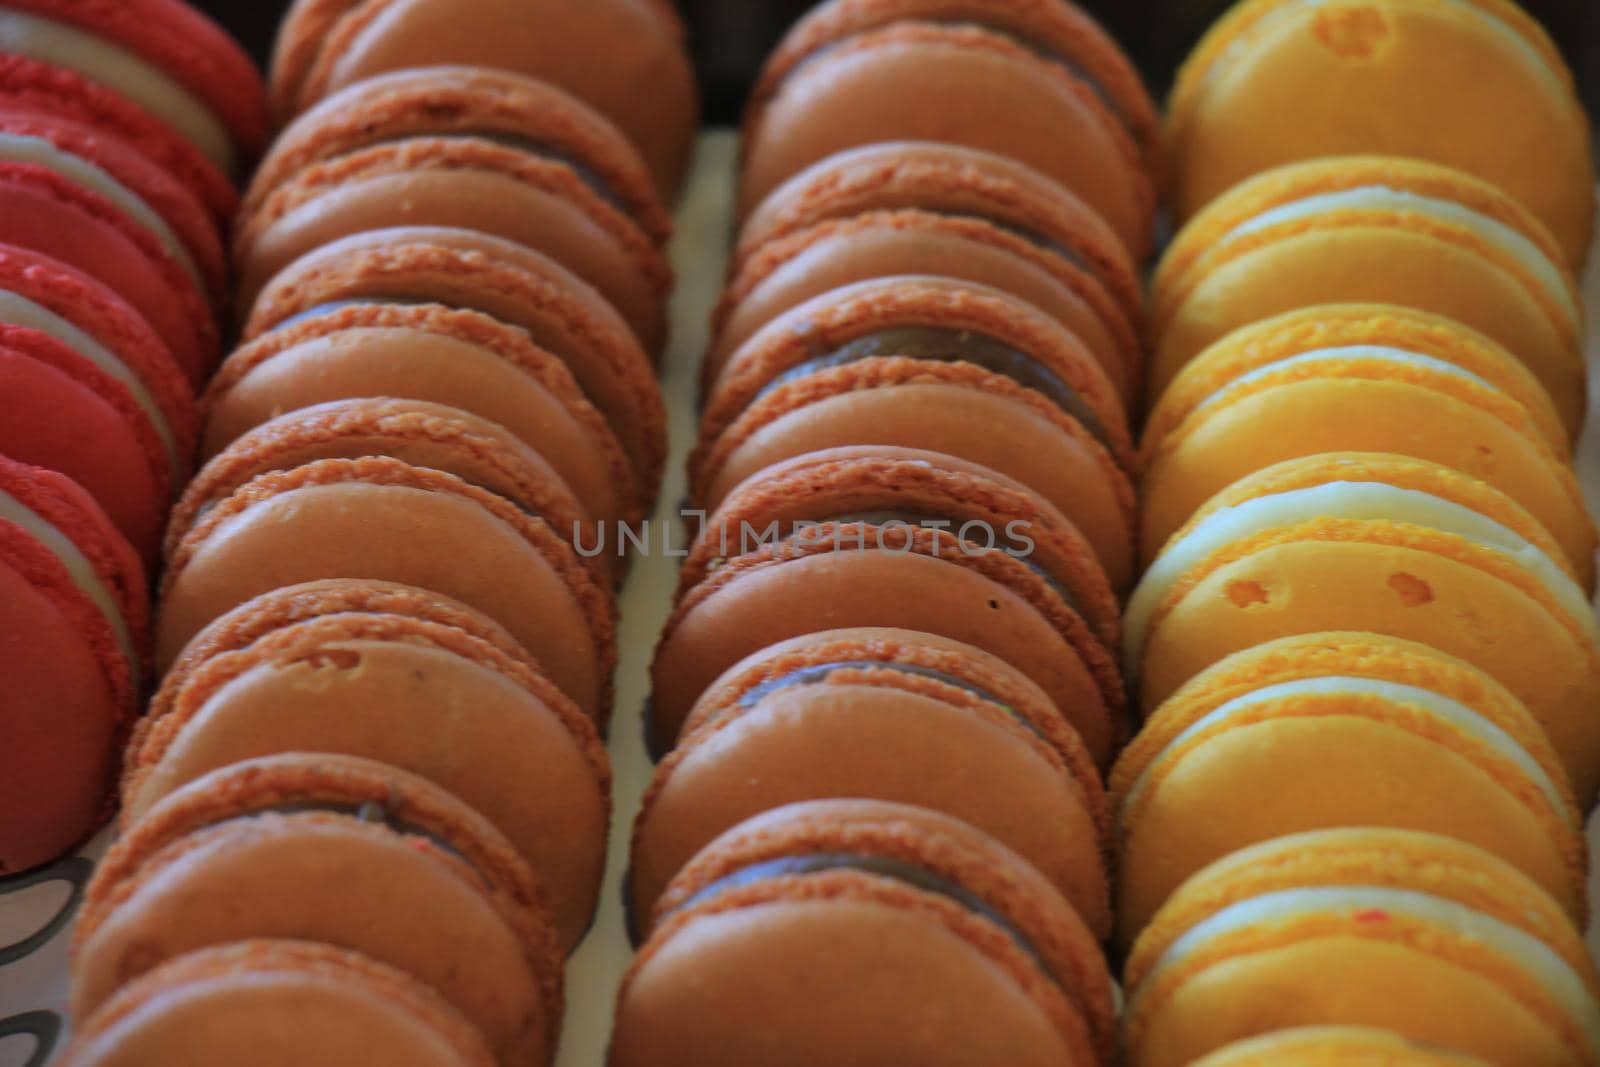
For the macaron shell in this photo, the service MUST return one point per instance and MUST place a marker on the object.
(262, 1002)
(646, 86)
(784, 591)
(516, 285)
(993, 94)
(1336, 1046)
(56, 91)
(69, 416)
(465, 184)
(947, 973)
(457, 358)
(316, 522)
(413, 695)
(826, 742)
(1464, 603)
(831, 255)
(55, 766)
(1458, 84)
(53, 216)
(446, 100)
(963, 411)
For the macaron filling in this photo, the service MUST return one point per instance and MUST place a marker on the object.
(130, 75)
(18, 310)
(918, 878)
(1458, 715)
(1385, 354)
(81, 572)
(38, 152)
(1373, 906)
(370, 812)
(1523, 251)
(1371, 501)
(938, 344)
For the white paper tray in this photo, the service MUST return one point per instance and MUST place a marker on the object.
(39, 982)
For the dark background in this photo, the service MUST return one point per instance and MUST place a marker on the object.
(731, 36)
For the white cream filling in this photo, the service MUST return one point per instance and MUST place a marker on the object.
(1530, 955)
(18, 310)
(1383, 198)
(79, 569)
(1457, 714)
(1398, 357)
(132, 76)
(1338, 500)
(17, 148)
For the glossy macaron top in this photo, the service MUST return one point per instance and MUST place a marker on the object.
(1419, 899)
(518, 286)
(325, 816)
(163, 55)
(474, 102)
(1336, 1046)
(1477, 85)
(1011, 96)
(828, 840)
(254, 1003)
(1058, 29)
(646, 86)
(1454, 244)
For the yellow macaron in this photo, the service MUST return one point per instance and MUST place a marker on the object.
(1475, 84)
(1340, 729)
(1373, 229)
(1382, 544)
(1411, 932)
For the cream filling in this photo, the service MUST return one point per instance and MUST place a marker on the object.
(20, 311)
(16, 148)
(79, 569)
(1383, 198)
(1338, 500)
(108, 64)
(1457, 714)
(1530, 955)
(1398, 357)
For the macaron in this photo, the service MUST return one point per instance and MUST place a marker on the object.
(923, 208)
(1476, 85)
(935, 364)
(1411, 932)
(50, 208)
(74, 642)
(145, 191)
(90, 417)
(382, 518)
(415, 431)
(461, 359)
(645, 85)
(163, 56)
(1425, 387)
(56, 92)
(1386, 545)
(460, 269)
(405, 678)
(257, 1003)
(476, 150)
(904, 909)
(894, 489)
(358, 856)
(1336, 1046)
(1340, 729)
(1035, 82)
(1375, 230)
(889, 714)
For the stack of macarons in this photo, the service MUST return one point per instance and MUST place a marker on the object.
(123, 130)
(1351, 828)
(890, 687)
(386, 629)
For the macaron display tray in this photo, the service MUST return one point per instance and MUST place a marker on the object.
(36, 910)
